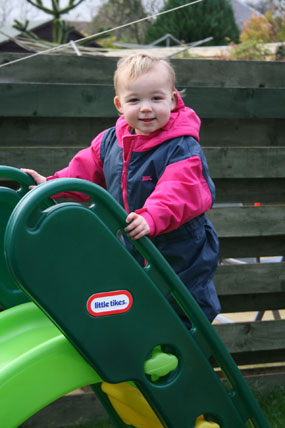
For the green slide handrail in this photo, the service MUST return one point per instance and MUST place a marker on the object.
(18, 176)
(10, 293)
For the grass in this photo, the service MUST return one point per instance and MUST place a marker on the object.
(101, 424)
(272, 404)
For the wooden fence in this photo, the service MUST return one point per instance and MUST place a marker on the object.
(52, 106)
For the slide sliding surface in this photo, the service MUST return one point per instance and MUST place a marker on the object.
(37, 364)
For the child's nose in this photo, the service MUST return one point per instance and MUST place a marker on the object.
(146, 106)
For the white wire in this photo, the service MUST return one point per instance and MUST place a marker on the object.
(100, 33)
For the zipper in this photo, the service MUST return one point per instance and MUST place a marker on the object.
(127, 153)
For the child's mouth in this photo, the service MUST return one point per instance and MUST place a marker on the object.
(147, 120)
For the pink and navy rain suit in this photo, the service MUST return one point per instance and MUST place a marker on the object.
(164, 177)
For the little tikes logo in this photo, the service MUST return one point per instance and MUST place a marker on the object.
(112, 302)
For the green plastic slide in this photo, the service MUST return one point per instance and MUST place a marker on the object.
(116, 313)
(37, 364)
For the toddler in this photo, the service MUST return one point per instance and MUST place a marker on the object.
(152, 163)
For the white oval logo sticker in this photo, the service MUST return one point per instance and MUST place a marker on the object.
(112, 302)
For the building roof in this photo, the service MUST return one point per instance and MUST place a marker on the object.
(42, 28)
(7, 31)
(242, 12)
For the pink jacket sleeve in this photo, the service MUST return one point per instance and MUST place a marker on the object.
(181, 194)
(86, 165)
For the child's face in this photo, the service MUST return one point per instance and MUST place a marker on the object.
(147, 101)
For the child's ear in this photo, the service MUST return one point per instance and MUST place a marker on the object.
(174, 100)
(118, 104)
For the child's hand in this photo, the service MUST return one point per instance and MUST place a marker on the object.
(138, 226)
(39, 179)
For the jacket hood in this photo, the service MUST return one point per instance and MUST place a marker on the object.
(183, 121)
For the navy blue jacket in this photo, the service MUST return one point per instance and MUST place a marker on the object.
(164, 177)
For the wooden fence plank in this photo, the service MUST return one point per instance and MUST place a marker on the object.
(51, 131)
(257, 278)
(224, 163)
(57, 100)
(242, 74)
(250, 231)
(252, 302)
(236, 102)
(270, 162)
(245, 132)
(249, 191)
(100, 69)
(265, 246)
(253, 336)
(246, 222)
(46, 160)
(58, 68)
(246, 162)
(251, 287)
(93, 100)
(46, 131)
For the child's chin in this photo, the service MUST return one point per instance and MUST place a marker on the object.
(147, 130)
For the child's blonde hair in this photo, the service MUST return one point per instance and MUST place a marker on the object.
(135, 65)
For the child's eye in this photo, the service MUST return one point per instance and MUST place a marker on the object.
(132, 100)
(157, 98)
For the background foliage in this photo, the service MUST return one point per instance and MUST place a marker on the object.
(209, 18)
(261, 29)
(118, 12)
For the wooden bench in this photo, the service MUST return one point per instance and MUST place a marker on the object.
(53, 106)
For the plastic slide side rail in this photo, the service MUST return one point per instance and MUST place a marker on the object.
(10, 294)
(37, 364)
(24, 180)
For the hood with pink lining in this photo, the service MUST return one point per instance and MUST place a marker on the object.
(183, 121)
